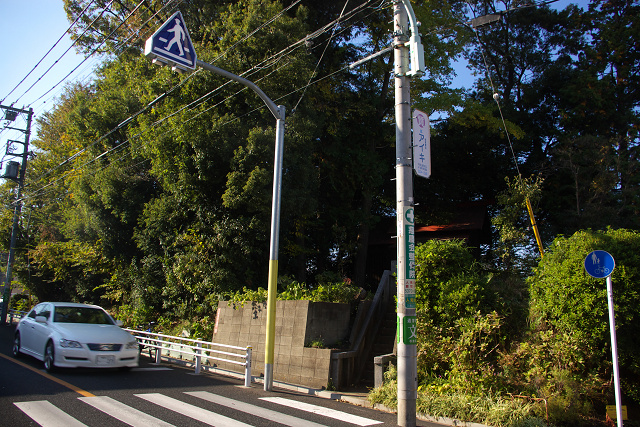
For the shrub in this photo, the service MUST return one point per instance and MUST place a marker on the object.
(566, 302)
(342, 292)
(489, 409)
(20, 302)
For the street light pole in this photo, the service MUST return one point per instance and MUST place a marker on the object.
(279, 113)
(161, 47)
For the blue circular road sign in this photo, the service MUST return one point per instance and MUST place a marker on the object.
(599, 264)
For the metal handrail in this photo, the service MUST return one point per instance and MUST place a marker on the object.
(194, 347)
(365, 338)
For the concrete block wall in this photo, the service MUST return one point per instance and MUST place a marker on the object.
(297, 323)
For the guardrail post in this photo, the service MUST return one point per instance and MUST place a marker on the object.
(198, 359)
(158, 352)
(247, 368)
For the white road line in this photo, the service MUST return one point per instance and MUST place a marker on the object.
(47, 415)
(124, 413)
(258, 411)
(331, 413)
(160, 368)
(191, 411)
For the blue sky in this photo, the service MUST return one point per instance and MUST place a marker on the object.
(28, 29)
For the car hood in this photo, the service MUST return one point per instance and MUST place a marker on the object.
(87, 333)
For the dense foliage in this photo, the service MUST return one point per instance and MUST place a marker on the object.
(568, 304)
(555, 362)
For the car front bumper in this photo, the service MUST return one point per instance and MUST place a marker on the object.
(82, 357)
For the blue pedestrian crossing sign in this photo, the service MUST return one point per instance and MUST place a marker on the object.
(171, 44)
(599, 264)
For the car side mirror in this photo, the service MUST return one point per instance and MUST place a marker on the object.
(119, 323)
(41, 319)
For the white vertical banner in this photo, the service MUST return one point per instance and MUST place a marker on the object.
(421, 144)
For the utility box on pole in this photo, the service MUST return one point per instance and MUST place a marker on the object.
(12, 170)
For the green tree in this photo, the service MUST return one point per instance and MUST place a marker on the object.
(517, 247)
(468, 315)
(593, 170)
(568, 302)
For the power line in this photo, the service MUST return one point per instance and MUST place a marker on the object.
(57, 60)
(200, 100)
(282, 52)
(48, 52)
(326, 46)
(96, 49)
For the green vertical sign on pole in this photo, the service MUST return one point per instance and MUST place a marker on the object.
(410, 265)
(410, 330)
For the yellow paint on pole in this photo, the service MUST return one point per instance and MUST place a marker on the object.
(271, 312)
(611, 412)
(535, 228)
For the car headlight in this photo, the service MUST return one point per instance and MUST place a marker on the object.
(69, 343)
(133, 345)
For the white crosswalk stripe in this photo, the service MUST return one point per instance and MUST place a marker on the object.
(248, 408)
(191, 411)
(124, 413)
(320, 410)
(48, 415)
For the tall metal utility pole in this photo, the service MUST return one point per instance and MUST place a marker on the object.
(406, 309)
(403, 19)
(6, 294)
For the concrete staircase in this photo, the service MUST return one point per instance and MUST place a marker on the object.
(385, 343)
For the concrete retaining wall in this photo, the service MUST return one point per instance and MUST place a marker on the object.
(298, 323)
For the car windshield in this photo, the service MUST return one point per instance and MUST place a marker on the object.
(81, 315)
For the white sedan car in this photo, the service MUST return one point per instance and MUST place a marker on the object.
(71, 335)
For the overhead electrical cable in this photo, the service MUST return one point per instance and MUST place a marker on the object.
(65, 52)
(48, 52)
(156, 100)
(118, 47)
(315, 34)
(122, 124)
(257, 67)
(496, 97)
(326, 46)
(94, 50)
(270, 21)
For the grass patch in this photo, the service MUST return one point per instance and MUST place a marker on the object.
(492, 410)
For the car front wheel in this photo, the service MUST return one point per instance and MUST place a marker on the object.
(49, 357)
(16, 345)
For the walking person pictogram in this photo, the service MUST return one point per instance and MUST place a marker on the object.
(178, 37)
(161, 45)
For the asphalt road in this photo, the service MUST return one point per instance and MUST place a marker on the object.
(157, 396)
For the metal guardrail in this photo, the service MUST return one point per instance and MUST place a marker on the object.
(195, 348)
(16, 314)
